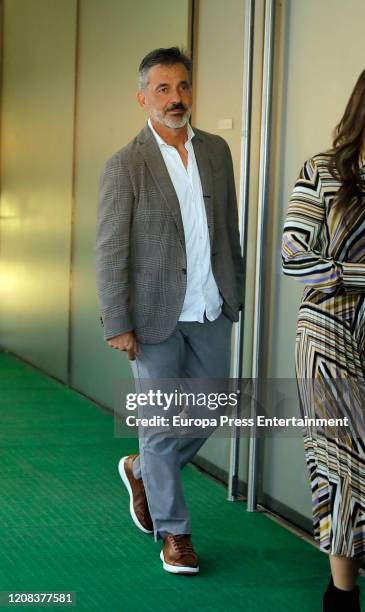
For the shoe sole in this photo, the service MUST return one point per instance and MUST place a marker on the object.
(178, 569)
(124, 477)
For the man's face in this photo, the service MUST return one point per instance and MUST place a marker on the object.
(167, 96)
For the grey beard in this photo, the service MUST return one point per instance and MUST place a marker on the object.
(164, 120)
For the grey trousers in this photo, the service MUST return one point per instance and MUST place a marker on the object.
(194, 350)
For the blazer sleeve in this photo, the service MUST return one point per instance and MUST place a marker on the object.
(112, 247)
(233, 228)
(301, 255)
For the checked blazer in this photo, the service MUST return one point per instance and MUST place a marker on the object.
(140, 246)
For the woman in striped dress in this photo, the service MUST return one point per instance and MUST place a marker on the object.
(324, 247)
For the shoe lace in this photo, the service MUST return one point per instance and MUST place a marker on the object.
(146, 516)
(182, 544)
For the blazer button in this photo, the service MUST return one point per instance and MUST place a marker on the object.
(183, 270)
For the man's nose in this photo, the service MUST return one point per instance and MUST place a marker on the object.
(175, 97)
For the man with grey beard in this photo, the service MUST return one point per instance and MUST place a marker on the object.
(170, 275)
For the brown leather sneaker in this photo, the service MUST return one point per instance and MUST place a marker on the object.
(178, 555)
(138, 506)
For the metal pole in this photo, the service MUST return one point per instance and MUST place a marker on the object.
(261, 243)
(243, 205)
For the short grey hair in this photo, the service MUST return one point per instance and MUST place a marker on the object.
(166, 57)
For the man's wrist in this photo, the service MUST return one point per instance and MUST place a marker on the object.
(115, 326)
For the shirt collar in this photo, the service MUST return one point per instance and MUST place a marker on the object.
(161, 142)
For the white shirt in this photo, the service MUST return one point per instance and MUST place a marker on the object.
(202, 294)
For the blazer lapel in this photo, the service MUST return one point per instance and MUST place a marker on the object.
(155, 162)
(205, 172)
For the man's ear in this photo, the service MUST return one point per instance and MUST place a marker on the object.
(141, 99)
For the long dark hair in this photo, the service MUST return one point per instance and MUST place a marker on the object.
(347, 144)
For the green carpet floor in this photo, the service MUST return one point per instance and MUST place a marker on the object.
(64, 522)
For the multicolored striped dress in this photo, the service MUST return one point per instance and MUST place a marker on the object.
(325, 249)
